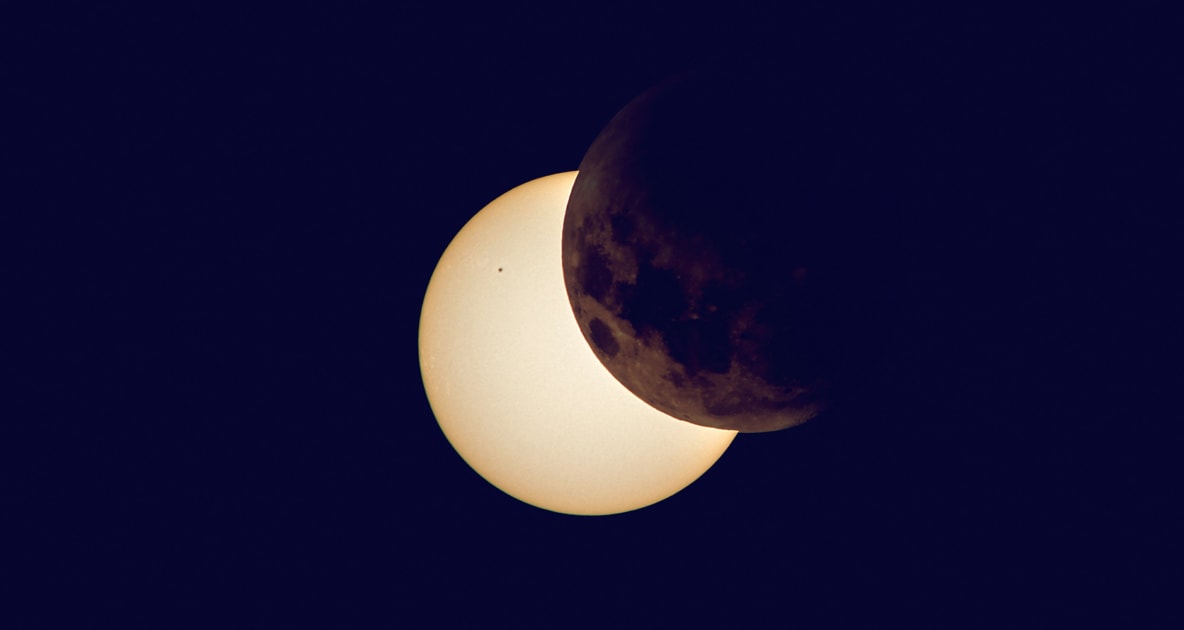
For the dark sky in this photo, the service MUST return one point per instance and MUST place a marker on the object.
(229, 221)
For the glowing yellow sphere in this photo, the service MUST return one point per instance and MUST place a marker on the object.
(517, 390)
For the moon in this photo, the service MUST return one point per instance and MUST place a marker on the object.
(709, 247)
(516, 389)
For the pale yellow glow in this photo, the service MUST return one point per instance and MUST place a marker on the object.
(517, 390)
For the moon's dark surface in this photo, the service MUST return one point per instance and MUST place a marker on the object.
(716, 247)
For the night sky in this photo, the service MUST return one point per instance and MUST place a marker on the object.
(227, 223)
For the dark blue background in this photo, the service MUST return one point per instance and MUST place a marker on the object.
(227, 221)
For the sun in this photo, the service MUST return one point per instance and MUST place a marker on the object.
(516, 388)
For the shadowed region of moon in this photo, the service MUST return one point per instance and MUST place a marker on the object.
(716, 242)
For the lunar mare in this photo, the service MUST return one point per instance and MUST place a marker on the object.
(651, 323)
